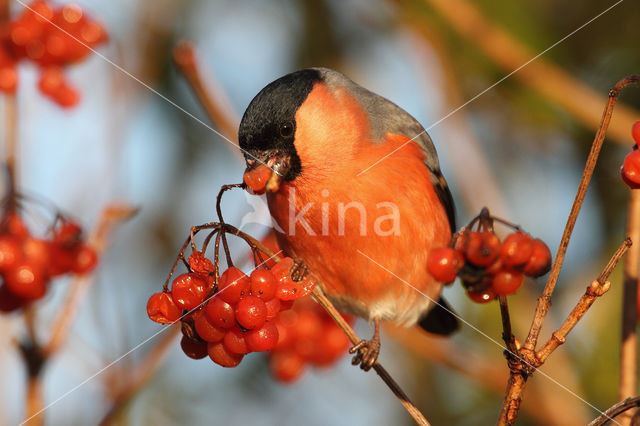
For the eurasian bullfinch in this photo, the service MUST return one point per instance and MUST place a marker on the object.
(357, 195)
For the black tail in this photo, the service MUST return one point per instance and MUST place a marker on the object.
(440, 319)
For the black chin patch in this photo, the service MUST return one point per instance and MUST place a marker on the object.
(265, 123)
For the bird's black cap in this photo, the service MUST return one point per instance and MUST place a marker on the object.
(268, 124)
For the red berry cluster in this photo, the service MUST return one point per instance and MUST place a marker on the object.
(487, 266)
(27, 263)
(630, 170)
(236, 318)
(51, 37)
(308, 336)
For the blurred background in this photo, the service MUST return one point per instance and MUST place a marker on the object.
(140, 136)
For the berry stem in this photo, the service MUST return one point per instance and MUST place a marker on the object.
(219, 211)
(485, 221)
(205, 243)
(507, 333)
(216, 260)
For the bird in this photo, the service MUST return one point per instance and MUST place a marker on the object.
(357, 195)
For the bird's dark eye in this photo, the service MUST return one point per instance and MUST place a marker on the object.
(286, 129)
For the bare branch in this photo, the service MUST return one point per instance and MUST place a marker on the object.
(616, 410)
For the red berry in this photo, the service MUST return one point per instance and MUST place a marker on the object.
(206, 330)
(540, 261)
(333, 344)
(635, 132)
(188, 291)
(516, 250)
(15, 226)
(86, 260)
(200, 264)
(68, 234)
(62, 259)
(234, 340)
(10, 253)
(481, 296)
(233, 285)
(273, 307)
(93, 33)
(482, 248)
(27, 280)
(288, 289)
(53, 85)
(286, 305)
(222, 356)
(220, 313)
(8, 78)
(494, 268)
(51, 80)
(286, 366)
(629, 183)
(309, 328)
(9, 301)
(162, 309)
(286, 335)
(443, 264)
(282, 269)
(631, 167)
(193, 348)
(507, 282)
(261, 339)
(66, 96)
(251, 312)
(38, 251)
(256, 179)
(263, 284)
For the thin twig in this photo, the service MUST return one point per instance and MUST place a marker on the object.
(11, 140)
(322, 300)
(214, 102)
(487, 373)
(616, 410)
(628, 346)
(522, 363)
(34, 402)
(596, 289)
(142, 374)
(544, 302)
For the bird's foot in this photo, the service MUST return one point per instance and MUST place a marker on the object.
(367, 351)
(299, 269)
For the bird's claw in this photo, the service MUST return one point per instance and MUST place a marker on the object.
(366, 353)
(299, 270)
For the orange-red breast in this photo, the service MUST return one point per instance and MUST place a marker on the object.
(353, 188)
